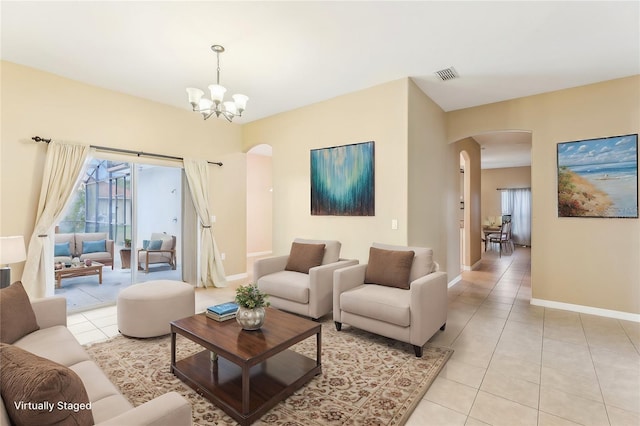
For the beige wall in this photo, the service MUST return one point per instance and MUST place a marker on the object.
(259, 204)
(590, 262)
(37, 103)
(492, 179)
(427, 169)
(376, 114)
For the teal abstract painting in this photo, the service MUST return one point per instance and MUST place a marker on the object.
(343, 180)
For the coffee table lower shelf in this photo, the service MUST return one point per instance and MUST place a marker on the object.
(270, 382)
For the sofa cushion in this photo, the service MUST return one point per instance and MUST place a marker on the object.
(106, 400)
(389, 267)
(97, 246)
(423, 263)
(33, 380)
(303, 257)
(382, 303)
(331, 249)
(62, 249)
(287, 285)
(16, 314)
(55, 343)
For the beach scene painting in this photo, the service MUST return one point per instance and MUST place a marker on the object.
(598, 177)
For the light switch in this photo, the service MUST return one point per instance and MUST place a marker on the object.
(394, 223)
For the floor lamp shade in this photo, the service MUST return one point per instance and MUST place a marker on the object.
(11, 251)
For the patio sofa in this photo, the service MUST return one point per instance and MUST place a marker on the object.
(54, 342)
(84, 245)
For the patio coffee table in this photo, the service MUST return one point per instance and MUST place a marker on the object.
(79, 271)
(246, 373)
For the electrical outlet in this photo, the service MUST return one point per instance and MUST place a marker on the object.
(223, 256)
(394, 223)
(213, 219)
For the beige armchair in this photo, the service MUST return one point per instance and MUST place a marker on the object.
(396, 295)
(302, 281)
(161, 249)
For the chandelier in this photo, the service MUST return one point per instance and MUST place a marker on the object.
(215, 105)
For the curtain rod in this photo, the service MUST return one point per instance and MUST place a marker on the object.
(503, 189)
(128, 151)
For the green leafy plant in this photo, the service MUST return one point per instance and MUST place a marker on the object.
(250, 297)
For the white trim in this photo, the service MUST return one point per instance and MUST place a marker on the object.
(237, 276)
(628, 316)
(472, 267)
(454, 281)
(259, 253)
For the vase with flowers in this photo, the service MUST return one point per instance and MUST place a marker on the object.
(251, 303)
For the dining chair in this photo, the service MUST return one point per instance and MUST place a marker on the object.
(503, 238)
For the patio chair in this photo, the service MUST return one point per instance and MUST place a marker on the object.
(161, 248)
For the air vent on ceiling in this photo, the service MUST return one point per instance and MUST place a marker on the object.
(447, 74)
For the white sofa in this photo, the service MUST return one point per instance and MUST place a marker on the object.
(55, 342)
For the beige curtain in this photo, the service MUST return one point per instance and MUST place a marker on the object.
(211, 268)
(63, 168)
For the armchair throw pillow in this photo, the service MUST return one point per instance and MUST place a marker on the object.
(97, 246)
(390, 268)
(303, 257)
(16, 314)
(37, 391)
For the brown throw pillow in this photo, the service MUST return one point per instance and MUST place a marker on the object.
(17, 318)
(37, 391)
(304, 257)
(389, 267)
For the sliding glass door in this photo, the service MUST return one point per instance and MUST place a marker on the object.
(123, 226)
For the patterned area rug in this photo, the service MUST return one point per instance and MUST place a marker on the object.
(366, 379)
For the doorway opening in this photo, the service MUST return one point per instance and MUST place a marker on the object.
(122, 226)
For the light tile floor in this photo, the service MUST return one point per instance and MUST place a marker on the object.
(518, 364)
(514, 363)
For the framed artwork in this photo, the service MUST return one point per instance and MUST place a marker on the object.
(343, 180)
(598, 177)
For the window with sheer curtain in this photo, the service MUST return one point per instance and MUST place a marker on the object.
(517, 203)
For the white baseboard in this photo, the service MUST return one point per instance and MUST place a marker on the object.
(237, 277)
(259, 253)
(628, 316)
(454, 281)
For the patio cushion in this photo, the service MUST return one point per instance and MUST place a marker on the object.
(62, 249)
(98, 246)
(155, 245)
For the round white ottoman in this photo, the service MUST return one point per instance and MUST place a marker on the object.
(145, 310)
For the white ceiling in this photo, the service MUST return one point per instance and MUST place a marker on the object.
(285, 55)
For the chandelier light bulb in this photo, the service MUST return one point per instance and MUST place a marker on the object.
(216, 105)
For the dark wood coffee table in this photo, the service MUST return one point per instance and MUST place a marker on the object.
(246, 373)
